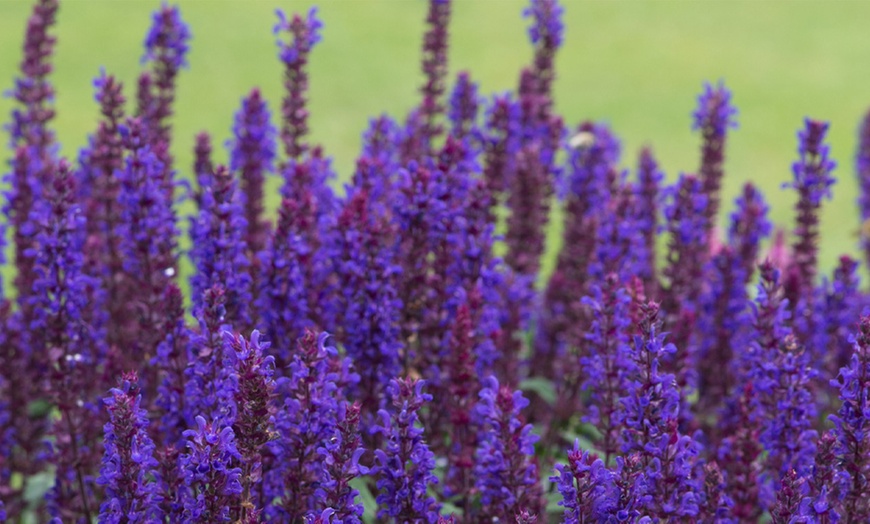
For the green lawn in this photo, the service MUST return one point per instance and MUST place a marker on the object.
(637, 65)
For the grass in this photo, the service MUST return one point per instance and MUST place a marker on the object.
(636, 65)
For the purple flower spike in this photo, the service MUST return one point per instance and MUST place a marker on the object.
(166, 47)
(788, 499)
(852, 427)
(500, 146)
(304, 33)
(749, 226)
(149, 236)
(252, 153)
(128, 460)
(529, 202)
(405, 465)
(587, 487)
(650, 418)
(254, 394)
(210, 475)
(341, 456)
(219, 252)
(464, 105)
(649, 181)
(862, 168)
(546, 35)
(505, 469)
(813, 181)
(714, 115)
(435, 43)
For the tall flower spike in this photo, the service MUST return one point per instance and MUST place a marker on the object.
(149, 239)
(210, 474)
(31, 139)
(254, 394)
(219, 252)
(67, 332)
(545, 32)
(341, 456)
(785, 393)
(100, 163)
(813, 181)
(649, 181)
(33, 92)
(435, 43)
(852, 427)
(843, 304)
(650, 417)
(166, 47)
(405, 465)
(203, 167)
(587, 487)
(749, 226)
(529, 203)
(505, 468)
(128, 459)
(282, 298)
(464, 106)
(252, 153)
(367, 272)
(501, 143)
(713, 116)
(171, 361)
(603, 364)
(862, 169)
(312, 390)
(304, 33)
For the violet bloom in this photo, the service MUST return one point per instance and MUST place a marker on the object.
(367, 274)
(206, 390)
(784, 388)
(749, 226)
(788, 499)
(435, 43)
(506, 472)
(31, 139)
(405, 466)
(813, 181)
(501, 142)
(341, 455)
(130, 497)
(210, 474)
(219, 251)
(843, 303)
(687, 253)
(171, 362)
(529, 204)
(100, 163)
(464, 107)
(603, 365)
(252, 154)
(649, 181)
(149, 236)
(587, 487)
(852, 424)
(862, 169)
(304, 33)
(166, 47)
(545, 33)
(650, 416)
(67, 331)
(713, 116)
(725, 323)
(282, 297)
(312, 391)
(203, 167)
(254, 395)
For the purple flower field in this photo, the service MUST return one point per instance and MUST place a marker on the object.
(367, 355)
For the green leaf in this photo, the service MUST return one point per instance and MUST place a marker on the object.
(542, 387)
(369, 503)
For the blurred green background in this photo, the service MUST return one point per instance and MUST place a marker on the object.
(636, 65)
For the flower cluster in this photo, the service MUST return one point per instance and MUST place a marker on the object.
(726, 385)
